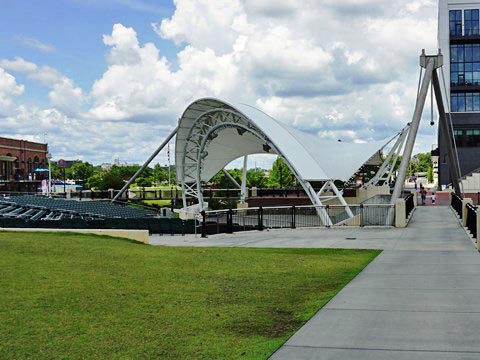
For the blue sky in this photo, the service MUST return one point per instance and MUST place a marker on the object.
(108, 79)
(67, 34)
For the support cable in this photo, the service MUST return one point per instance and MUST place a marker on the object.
(431, 104)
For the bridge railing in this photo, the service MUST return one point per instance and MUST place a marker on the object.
(471, 221)
(260, 218)
(457, 205)
(409, 205)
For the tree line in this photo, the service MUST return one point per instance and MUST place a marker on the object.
(279, 176)
(94, 177)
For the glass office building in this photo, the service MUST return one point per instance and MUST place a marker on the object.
(459, 40)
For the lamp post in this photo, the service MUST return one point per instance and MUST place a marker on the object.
(49, 190)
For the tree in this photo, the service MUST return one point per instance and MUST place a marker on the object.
(221, 181)
(159, 174)
(57, 172)
(81, 171)
(430, 175)
(420, 162)
(114, 178)
(95, 181)
(280, 175)
(144, 181)
(256, 178)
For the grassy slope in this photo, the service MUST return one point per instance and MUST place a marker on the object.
(158, 202)
(78, 296)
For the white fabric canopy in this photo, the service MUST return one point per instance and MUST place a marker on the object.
(312, 158)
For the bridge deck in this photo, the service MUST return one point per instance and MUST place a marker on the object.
(418, 300)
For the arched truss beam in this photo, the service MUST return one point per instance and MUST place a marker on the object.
(206, 128)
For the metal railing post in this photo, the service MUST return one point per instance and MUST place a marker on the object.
(327, 210)
(230, 221)
(361, 215)
(204, 224)
(293, 217)
(260, 218)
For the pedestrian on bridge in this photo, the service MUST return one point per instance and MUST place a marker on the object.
(423, 194)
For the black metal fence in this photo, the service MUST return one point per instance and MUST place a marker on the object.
(456, 204)
(260, 218)
(409, 205)
(472, 220)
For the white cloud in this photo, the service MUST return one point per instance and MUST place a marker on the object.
(337, 69)
(64, 94)
(9, 90)
(18, 64)
(205, 24)
(35, 43)
(124, 45)
(269, 8)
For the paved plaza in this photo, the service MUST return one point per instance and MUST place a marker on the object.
(419, 299)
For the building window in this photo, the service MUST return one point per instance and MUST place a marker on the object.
(471, 22)
(465, 102)
(465, 64)
(456, 22)
(467, 137)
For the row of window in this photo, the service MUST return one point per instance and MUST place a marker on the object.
(470, 20)
(465, 102)
(467, 137)
(465, 64)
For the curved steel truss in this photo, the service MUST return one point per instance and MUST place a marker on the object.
(207, 127)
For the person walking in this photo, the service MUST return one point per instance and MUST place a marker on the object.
(434, 197)
(423, 194)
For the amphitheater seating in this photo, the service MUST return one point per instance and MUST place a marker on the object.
(31, 207)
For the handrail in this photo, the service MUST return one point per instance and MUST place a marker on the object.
(471, 221)
(456, 203)
(258, 218)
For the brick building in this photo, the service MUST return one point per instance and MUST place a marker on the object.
(18, 160)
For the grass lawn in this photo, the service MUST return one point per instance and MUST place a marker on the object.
(83, 296)
(158, 202)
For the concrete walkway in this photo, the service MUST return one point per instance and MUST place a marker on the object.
(420, 299)
(431, 228)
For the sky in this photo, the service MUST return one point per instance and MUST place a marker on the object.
(100, 80)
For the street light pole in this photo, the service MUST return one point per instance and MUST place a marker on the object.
(49, 189)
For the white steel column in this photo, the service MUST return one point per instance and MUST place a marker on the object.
(319, 207)
(412, 134)
(243, 191)
(341, 199)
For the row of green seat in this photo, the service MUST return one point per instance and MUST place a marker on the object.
(103, 209)
(153, 225)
